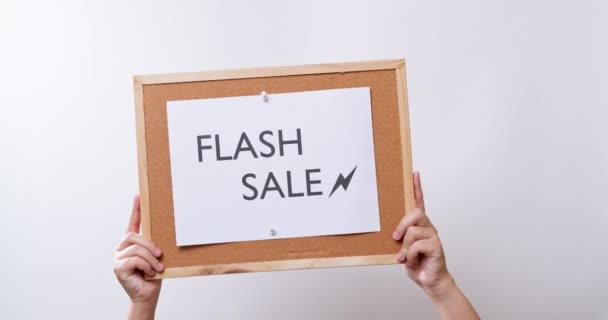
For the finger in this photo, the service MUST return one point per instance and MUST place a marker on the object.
(418, 194)
(426, 247)
(124, 268)
(135, 238)
(136, 250)
(415, 233)
(416, 217)
(135, 219)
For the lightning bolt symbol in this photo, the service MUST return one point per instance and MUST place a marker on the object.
(343, 182)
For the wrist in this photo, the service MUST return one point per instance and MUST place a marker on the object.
(450, 301)
(441, 289)
(142, 310)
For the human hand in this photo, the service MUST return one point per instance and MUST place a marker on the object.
(424, 260)
(133, 258)
(422, 251)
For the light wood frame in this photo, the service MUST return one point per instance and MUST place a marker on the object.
(140, 81)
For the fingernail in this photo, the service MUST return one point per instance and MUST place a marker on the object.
(159, 267)
(395, 235)
(401, 256)
(157, 252)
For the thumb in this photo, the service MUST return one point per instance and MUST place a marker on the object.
(135, 219)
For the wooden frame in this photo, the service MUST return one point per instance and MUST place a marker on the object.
(141, 81)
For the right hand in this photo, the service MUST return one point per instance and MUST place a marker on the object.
(134, 257)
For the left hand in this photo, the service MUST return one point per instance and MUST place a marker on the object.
(422, 251)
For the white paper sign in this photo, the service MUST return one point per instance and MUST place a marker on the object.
(297, 165)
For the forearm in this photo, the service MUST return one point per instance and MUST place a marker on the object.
(451, 302)
(142, 311)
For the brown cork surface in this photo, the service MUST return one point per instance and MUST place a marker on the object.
(389, 166)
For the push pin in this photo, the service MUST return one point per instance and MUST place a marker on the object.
(264, 96)
(273, 232)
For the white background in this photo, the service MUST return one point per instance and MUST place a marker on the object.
(335, 136)
(509, 123)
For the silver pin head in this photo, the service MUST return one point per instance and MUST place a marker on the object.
(273, 232)
(264, 96)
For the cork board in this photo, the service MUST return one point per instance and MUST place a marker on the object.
(391, 136)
